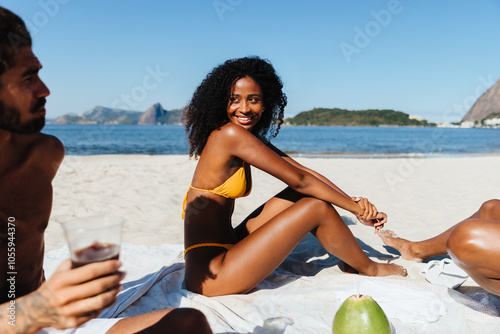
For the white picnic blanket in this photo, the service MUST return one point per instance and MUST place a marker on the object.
(289, 297)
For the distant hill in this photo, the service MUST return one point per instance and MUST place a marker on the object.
(73, 119)
(486, 104)
(343, 117)
(112, 116)
(157, 115)
(103, 115)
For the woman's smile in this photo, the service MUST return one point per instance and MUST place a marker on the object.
(244, 119)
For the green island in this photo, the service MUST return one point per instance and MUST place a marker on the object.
(344, 117)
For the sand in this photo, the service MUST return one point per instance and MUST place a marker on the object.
(422, 196)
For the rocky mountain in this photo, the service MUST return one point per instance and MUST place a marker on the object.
(103, 115)
(487, 104)
(157, 115)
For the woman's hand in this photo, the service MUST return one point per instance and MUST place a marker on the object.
(369, 215)
(367, 210)
(378, 222)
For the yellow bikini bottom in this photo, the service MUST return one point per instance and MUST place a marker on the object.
(207, 244)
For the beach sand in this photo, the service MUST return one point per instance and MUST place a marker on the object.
(422, 196)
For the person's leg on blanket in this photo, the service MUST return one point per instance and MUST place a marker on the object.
(179, 321)
(273, 231)
(472, 244)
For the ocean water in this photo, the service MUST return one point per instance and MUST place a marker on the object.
(321, 141)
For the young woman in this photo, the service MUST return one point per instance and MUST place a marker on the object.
(231, 112)
(473, 244)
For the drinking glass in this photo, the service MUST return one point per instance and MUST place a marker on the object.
(93, 239)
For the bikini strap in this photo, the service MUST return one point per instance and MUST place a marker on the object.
(207, 244)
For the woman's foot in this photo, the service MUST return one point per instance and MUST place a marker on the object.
(375, 269)
(385, 269)
(402, 245)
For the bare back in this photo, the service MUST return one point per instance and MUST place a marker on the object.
(28, 164)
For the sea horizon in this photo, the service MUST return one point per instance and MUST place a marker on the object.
(299, 141)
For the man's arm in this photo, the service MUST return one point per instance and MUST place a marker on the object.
(68, 299)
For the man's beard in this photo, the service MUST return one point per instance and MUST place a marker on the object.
(10, 119)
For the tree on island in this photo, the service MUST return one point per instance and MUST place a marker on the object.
(344, 117)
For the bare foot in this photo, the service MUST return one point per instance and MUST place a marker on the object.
(402, 245)
(386, 269)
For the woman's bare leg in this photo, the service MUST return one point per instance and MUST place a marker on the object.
(284, 200)
(420, 250)
(272, 238)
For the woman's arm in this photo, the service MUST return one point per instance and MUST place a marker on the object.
(296, 164)
(363, 202)
(241, 143)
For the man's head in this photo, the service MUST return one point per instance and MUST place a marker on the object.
(22, 93)
(13, 35)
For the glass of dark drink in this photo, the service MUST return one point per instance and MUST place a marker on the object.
(93, 239)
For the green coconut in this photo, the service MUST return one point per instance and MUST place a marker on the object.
(360, 315)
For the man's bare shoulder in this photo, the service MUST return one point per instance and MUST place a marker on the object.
(44, 150)
(51, 144)
(43, 143)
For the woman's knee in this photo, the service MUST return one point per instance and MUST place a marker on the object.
(490, 209)
(463, 238)
(319, 207)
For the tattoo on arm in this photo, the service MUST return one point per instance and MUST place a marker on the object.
(32, 313)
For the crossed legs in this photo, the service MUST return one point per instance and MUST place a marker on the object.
(273, 231)
(474, 244)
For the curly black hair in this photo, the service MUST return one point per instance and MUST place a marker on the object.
(207, 110)
(13, 36)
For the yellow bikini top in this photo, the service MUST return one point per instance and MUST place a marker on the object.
(234, 187)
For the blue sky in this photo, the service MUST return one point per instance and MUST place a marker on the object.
(423, 57)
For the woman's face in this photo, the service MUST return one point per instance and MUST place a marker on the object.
(246, 103)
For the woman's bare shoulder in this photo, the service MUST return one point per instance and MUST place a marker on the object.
(230, 132)
(230, 129)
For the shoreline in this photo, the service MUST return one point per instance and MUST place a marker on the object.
(422, 197)
(391, 155)
(327, 155)
(349, 142)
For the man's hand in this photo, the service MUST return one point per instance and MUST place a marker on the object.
(69, 298)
